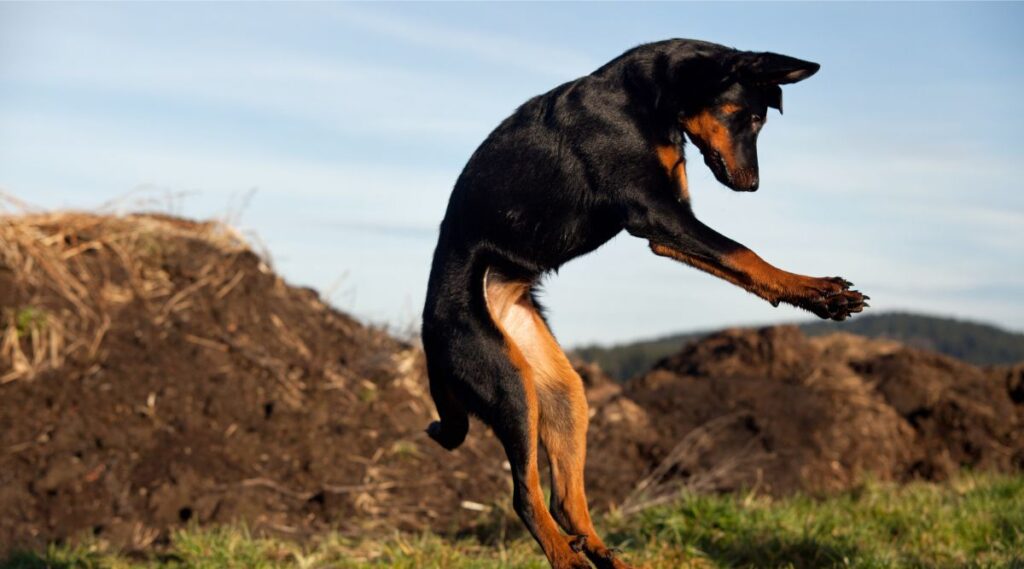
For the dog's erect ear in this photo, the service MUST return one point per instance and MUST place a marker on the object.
(766, 68)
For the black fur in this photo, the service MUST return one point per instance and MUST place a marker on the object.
(565, 173)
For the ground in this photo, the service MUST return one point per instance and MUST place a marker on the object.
(161, 384)
(970, 521)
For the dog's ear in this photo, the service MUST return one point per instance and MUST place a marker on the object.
(698, 78)
(773, 96)
(766, 68)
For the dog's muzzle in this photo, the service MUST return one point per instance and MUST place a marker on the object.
(740, 180)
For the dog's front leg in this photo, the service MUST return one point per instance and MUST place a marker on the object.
(680, 235)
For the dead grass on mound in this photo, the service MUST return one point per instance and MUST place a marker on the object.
(57, 268)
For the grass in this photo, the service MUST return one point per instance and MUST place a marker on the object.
(29, 319)
(973, 521)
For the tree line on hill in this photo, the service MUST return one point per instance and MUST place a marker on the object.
(973, 342)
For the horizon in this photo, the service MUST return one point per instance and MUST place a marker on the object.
(893, 167)
(798, 323)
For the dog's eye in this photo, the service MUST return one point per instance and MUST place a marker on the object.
(757, 119)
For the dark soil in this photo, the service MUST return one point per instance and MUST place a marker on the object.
(168, 377)
(776, 412)
(253, 402)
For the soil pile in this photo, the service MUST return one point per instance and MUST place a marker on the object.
(155, 371)
(774, 411)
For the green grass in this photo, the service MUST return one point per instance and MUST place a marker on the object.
(973, 521)
(28, 319)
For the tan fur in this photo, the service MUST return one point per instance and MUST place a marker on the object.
(675, 166)
(746, 269)
(556, 391)
(729, 108)
(513, 313)
(709, 131)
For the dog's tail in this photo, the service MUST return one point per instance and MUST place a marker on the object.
(451, 430)
(467, 275)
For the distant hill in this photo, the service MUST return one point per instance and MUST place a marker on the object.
(972, 342)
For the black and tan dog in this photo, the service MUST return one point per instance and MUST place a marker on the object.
(565, 173)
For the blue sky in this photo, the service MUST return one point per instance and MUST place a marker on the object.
(896, 166)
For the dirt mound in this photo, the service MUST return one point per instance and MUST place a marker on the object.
(154, 371)
(963, 415)
(775, 411)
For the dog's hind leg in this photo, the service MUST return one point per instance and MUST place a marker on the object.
(563, 432)
(510, 308)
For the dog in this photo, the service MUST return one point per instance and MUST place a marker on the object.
(568, 171)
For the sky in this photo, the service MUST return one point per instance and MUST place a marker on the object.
(333, 133)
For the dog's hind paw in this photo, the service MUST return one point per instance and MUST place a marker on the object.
(610, 560)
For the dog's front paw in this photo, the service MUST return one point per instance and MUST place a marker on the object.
(831, 298)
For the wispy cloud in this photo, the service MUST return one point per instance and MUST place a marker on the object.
(343, 94)
(491, 46)
(124, 158)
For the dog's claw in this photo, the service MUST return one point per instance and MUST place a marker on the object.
(830, 298)
(843, 283)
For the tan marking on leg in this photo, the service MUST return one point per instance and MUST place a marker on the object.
(773, 282)
(708, 267)
(513, 312)
(675, 167)
(669, 156)
(563, 432)
(684, 182)
(562, 426)
(746, 269)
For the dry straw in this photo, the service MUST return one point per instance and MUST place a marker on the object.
(58, 293)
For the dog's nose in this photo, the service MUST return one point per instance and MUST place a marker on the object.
(747, 184)
(745, 180)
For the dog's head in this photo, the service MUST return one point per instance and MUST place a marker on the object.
(730, 108)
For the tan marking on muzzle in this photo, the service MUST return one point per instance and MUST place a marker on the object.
(710, 132)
